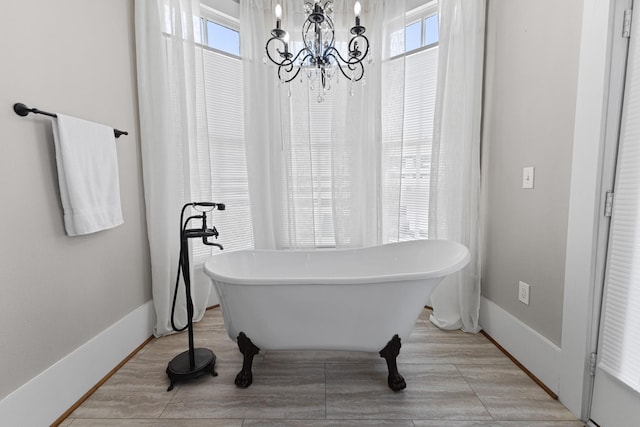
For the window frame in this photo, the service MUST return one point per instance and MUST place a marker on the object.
(420, 14)
(207, 13)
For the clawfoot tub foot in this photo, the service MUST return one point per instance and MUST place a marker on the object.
(390, 353)
(248, 350)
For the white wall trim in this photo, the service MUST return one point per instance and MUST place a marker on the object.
(44, 398)
(535, 352)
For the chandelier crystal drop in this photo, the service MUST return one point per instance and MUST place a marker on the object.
(318, 56)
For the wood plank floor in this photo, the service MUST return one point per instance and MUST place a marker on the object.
(453, 379)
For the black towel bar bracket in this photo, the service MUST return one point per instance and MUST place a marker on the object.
(22, 110)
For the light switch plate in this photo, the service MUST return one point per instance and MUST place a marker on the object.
(527, 177)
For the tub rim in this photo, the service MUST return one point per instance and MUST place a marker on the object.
(458, 263)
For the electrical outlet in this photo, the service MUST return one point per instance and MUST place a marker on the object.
(523, 293)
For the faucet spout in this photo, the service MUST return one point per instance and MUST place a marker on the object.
(208, 243)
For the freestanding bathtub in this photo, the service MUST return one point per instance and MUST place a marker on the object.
(364, 299)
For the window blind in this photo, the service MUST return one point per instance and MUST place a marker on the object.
(620, 355)
(420, 96)
(407, 138)
(222, 169)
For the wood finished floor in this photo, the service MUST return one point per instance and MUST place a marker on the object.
(453, 379)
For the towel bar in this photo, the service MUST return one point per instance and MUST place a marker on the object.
(22, 110)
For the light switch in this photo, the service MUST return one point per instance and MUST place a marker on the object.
(527, 177)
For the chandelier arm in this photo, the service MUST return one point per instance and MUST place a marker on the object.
(351, 61)
(351, 66)
(266, 49)
(289, 79)
(355, 69)
(286, 66)
(307, 56)
(303, 50)
(289, 65)
(285, 62)
(332, 52)
(353, 45)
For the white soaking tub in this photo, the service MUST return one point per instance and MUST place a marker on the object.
(345, 299)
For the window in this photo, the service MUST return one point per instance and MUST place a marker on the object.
(431, 29)
(421, 31)
(413, 153)
(413, 36)
(222, 156)
(223, 108)
(222, 38)
(420, 95)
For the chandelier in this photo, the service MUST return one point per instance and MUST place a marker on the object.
(318, 55)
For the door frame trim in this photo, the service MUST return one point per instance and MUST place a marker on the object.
(591, 176)
(617, 79)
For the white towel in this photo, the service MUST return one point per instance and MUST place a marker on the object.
(87, 174)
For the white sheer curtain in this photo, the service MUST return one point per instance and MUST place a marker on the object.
(365, 143)
(455, 167)
(361, 136)
(262, 135)
(303, 173)
(169, 75)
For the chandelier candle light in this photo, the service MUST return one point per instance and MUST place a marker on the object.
(318, 56)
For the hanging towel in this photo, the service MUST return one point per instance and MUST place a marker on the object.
(87, 174)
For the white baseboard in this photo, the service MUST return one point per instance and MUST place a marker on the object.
(47, 396)
(536, 353)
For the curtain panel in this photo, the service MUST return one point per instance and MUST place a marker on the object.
(169, 80)
(454, 206)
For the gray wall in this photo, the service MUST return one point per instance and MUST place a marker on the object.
(530, 97)
(57, 292)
